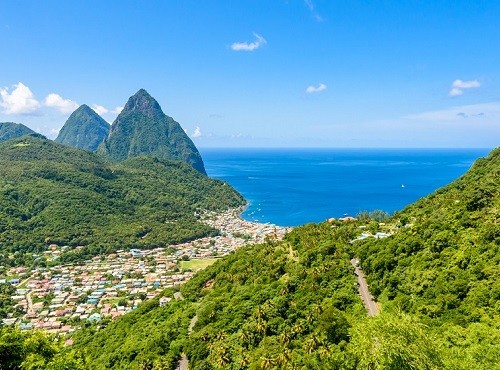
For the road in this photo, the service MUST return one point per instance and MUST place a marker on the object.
(30, 302)
(183, 363)
(370, 304)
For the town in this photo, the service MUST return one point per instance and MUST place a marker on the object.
(62, 298)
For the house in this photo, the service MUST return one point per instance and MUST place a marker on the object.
(164, 301)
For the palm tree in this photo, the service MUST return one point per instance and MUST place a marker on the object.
(266, 362)
(261, 327)
(284, 357)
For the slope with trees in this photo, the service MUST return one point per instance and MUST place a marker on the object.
(51, 193)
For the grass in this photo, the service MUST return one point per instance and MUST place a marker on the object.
(197, 264)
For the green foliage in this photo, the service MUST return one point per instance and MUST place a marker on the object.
(84, 129)
(294, 304)
(55, 194)
(143, 129)
(394, 342)
(444, 264)
(35, 351)
(282, 304)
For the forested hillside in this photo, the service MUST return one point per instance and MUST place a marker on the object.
(445, 261)
(50, 193)
(293, 304)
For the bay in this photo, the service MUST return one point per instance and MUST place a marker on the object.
(290, 187)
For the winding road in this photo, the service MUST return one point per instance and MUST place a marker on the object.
(370, 304)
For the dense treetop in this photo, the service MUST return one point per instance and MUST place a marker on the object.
(84, 129)
(143, 129)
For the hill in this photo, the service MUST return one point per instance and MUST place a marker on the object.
(143, 129)
(50, 193)
(84, 129)
(293, 304)
(11, 130)
(444, 263)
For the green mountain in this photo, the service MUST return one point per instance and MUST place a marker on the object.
(11, 130)
(143, 129)
(50, 193)
(84, 129)
(294, 304)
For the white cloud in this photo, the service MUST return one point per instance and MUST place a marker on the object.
(20, 101)
(312, 9)
(99, 109)
(249, 46)
(196, 132)
(315, 89)
(63, 105)
(477, 111)
(458, 86)
(117, 110)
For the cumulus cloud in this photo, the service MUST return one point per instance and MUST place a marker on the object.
(117, 110)
(20, 101)
(249, 46)
(99, 109)
(312, 8)
(196, 132)
(62, 105)
(458, 86)
(315, 89)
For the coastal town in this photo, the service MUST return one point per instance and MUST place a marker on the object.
(63, 298)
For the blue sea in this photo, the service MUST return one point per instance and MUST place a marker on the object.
(290, 187)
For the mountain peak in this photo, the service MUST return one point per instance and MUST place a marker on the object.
(84, 129)
(144, 103)
(143, 129)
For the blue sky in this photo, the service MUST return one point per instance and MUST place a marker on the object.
(270, 73)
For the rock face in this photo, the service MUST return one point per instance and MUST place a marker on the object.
(143, 129)
(84, 129)
(11, 130)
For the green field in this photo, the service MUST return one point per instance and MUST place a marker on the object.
(197, 264)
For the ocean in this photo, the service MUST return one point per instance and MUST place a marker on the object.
(290, 187)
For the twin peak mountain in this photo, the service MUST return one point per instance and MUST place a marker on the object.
(140, 129)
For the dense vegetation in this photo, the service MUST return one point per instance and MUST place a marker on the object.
(51, 193)
(84, 129)
(293, 304)
(11, 130)
(35, 350)
(445, 262)
(143, 129)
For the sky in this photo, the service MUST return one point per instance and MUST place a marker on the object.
(262, 73)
